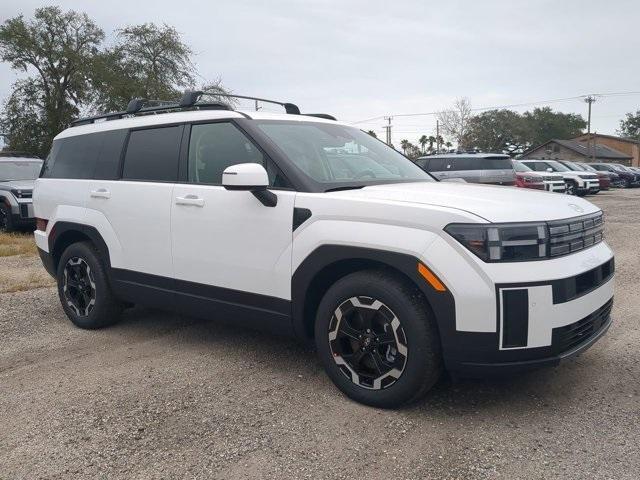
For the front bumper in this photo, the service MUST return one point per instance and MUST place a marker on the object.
(509, 317)
(558, 187)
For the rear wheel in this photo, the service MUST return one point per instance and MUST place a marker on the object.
(571, 188)
(6, 221)
(377, 339)
(84, 289)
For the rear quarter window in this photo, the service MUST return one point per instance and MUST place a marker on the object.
(152, 154)
(95, 155)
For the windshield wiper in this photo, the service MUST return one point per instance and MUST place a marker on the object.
(346, 187)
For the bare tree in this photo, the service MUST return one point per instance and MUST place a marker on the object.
(455, 122)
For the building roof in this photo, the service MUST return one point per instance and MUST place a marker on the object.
(587, 136)
(585, 149)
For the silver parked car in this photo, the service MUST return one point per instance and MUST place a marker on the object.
(493, 168)
(17, 175)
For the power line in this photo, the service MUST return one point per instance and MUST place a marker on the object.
(513, 105)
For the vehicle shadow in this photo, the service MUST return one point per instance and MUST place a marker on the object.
(288, 359)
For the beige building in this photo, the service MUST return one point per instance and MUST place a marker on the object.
(574, 150)
(625, 145)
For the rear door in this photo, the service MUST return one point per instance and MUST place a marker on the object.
(498, 170)
(132, 202)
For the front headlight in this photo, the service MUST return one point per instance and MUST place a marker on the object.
(517, 242)
(19, 193)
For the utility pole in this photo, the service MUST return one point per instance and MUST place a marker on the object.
(257, 107)
(437, 136)
(590, 99)
(388, 130)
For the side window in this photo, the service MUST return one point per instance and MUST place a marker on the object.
(437, 164)
(465, 164)
(421, 162)
(215, 146)
(537, 166)
(152, 154)
(73, 157)
(108, 161)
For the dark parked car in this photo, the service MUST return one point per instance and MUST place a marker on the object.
(607, 179)
(629, 178)
(493, 168)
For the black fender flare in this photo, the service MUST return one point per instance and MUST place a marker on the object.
(442, 303)
(59, 229)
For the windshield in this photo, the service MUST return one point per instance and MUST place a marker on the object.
(19, 170)
(557, 166)
(520, 167)
(573, 166)
(337, 156)
(588, 168)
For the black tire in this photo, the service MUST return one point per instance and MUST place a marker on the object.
(572, 188)
(627, 183)
(6, 220)
(86, 297)
(422, 365)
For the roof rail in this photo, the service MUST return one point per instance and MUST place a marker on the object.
(190, 98)
(326, 116)
(142, 106)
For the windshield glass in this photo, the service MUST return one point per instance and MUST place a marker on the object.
(588, 168)
(520, 167)
(19, 170)
(573, 166)
(557, 166)
(337, 156)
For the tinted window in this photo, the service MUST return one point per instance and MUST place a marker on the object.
(437, 164)
(537, 166)
(73, 157)
(216, 146)
(465, 164)
(496, 163)
(422, 162)
(108, 161)
(152, 154)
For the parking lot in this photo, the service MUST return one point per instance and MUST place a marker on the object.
(162, 396)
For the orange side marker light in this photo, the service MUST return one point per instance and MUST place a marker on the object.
(431, 278)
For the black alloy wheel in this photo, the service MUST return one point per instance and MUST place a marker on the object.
(367, 342)
(79, 286)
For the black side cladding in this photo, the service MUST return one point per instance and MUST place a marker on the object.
(515, 318)
(300, 215)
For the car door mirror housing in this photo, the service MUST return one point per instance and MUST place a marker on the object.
(251, 177)
(549, 169)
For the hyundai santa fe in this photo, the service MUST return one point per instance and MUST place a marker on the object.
(303, 224)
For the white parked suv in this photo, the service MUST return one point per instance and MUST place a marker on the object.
(578, 183)
(306, 225)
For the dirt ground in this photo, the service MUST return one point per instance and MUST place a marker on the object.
(161, 396)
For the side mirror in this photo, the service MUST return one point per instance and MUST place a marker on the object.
(251, 177)
(550, 170)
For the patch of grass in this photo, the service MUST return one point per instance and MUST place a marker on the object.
(20, 283)
(17, 244)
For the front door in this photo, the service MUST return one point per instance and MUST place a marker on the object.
(231, 254)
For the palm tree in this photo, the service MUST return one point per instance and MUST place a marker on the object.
(423, 141)
(448, 145)
(404, 144)
(431, 140)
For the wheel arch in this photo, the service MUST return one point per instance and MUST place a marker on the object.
(328, 263)
(63, 234)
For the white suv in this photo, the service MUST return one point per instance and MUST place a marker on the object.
(302, 224)
(578, 183)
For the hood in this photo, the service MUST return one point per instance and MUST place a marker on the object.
(494, 203)
(18, 184)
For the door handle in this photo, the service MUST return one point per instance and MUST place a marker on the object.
(190, 200)
(101, 193)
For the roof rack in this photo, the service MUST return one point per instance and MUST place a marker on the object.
(143, 106)
(190, 98)
(188, 101)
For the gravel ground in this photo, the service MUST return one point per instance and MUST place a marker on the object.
(161, 396)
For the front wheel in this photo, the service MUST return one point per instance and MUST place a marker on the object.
(377, 339)
(571, 188)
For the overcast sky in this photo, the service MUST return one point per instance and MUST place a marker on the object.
(363, 59)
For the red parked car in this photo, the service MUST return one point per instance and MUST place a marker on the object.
(527, 180)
